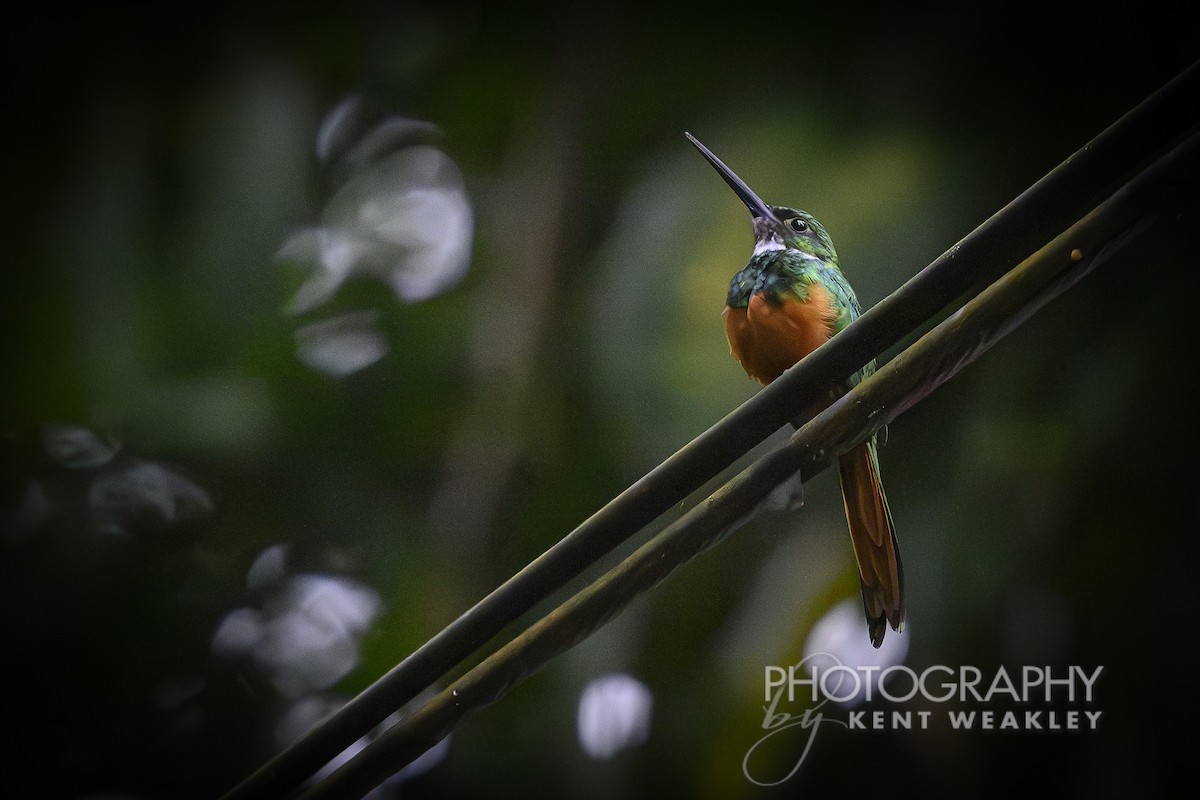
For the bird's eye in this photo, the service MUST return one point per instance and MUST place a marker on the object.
(798, 225)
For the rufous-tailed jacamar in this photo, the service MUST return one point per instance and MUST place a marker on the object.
(788, 301)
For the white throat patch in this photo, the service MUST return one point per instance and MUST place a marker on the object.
(773, 244)
(767, 246)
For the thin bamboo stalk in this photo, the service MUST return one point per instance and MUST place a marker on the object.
(1027, 222)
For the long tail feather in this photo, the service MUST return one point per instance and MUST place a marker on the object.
(874, 538)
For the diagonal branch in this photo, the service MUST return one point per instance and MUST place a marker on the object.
(1026, 223)
(899, 385)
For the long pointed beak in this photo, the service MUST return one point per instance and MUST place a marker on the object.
(757, 207)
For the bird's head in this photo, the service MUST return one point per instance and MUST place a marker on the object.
(775, 227)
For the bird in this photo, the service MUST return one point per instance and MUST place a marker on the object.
(785, 303)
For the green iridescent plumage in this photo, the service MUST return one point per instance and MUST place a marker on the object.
(805, 256)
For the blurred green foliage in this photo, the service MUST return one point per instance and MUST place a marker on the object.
(1045, 499)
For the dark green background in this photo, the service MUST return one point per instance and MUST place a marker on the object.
(154, 162)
